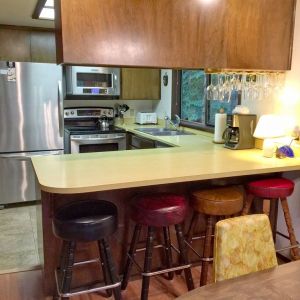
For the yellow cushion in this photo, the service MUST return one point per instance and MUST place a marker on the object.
(243, 245)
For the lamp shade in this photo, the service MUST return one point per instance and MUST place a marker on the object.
(269, 126)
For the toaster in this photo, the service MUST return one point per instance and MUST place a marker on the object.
(146, 118)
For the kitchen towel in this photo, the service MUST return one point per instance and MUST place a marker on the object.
(220, 126)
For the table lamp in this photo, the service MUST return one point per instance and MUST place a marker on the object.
(268, 128)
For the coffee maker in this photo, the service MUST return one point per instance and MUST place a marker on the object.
(239, 132)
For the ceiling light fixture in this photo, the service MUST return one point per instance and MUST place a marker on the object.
(44, 10)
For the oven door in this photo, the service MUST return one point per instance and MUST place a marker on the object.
(85, 144)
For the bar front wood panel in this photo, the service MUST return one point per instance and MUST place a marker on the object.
(192, 34)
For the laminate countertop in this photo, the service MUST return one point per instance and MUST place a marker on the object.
(194, 157)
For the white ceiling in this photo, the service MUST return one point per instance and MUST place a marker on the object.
(19, 12)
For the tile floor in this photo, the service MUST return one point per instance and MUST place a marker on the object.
(18, 239)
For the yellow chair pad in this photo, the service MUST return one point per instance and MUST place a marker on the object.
(243, 245)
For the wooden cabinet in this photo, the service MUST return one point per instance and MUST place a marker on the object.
(140, 84)
(260, 34)
(27, 45)
(43, 47)
(138, 142)
(233, 34)
(15, 45)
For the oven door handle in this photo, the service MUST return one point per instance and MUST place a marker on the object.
(83, 139)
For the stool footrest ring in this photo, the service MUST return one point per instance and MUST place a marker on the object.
(86, 289)
(167, 270)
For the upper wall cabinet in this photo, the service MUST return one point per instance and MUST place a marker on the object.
(140, 84)
(27, 45)
(247, 34)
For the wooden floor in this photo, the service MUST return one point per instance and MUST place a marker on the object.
(28, 286)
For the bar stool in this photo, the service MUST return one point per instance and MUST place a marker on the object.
(86, 221)
(216, 202)
(273, 189)
(158, 211)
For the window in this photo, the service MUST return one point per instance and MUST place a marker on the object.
(195, 102)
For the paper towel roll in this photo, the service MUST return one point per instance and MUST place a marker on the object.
(220, 126)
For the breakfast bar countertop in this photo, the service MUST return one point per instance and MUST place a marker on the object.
(194, 157)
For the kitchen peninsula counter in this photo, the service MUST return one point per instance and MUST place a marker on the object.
(194, 157)
(194, 161)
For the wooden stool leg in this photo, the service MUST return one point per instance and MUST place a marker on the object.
(288, 220)
(168, 251)
(67, 276)
(206, 250)
(273, 213)
(131, 253)
(184, 257)
(112, 272)
(104, 267)
(147, 263)
(192, 227)
(189, 234)
(247, 204)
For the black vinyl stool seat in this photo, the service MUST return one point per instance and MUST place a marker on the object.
(86, 221)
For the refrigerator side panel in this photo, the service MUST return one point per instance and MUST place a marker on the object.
(17, 177)
(17, 182)
(30, 109)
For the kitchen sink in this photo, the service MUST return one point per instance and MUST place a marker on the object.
(163, 131)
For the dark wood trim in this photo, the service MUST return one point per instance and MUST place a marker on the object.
(176, 83)
(38, 8)
(26, 28)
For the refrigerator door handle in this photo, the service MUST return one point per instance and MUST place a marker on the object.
(29, 155)
(60, 109)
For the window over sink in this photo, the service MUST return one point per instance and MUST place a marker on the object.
(193, 100)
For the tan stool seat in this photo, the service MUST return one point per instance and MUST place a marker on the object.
(217, 201)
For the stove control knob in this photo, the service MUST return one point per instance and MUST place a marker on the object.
(72, 112)
(66, 113)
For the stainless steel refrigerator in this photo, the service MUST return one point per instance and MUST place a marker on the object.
(31, 112)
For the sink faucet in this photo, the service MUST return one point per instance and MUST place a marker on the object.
(174, 123)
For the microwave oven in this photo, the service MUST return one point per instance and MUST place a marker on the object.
(92, 81)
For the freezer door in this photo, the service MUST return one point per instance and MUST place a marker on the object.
(30, 108)
(17, 177)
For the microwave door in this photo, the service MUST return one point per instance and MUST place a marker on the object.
(94, 81)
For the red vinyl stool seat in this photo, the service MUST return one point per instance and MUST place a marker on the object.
(158, 211)
(273, 189)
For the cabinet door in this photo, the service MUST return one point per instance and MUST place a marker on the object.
(260, 34)
(129, 33)
(43, 47)
(190, 34)
(140, 84)
(14, 45)
(138, 142)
